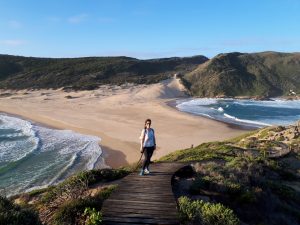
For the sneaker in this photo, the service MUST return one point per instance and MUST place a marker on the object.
(141, 173)
(146, 171)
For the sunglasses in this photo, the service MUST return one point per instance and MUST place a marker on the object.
(148, 123)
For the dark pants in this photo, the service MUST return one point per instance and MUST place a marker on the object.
(148, 152)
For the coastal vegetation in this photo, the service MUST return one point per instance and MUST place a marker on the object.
(258, 182)
(77, 200)
(243, 180)
(206, 213)
(13, 214)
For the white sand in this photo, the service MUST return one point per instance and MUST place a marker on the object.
(116, 114)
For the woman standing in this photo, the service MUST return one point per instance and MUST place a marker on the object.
(148, 145)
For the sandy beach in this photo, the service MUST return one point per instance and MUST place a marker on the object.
(116, 114)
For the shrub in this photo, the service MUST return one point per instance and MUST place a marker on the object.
(218, 214)
(75, 185)
(73, 210)
(11, 214)
(189, 211)
(205, 213)
(94, 217)
(232, 187)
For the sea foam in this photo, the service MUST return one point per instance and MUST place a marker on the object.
(32, 156)
(250, 113)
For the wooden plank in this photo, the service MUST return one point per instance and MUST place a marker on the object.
(151, 215)
(118, 223)
(129, 223)
(146, 185)
(145, 197)
(141, 210)
(134, 188)
(141, 204)
(148, 200)
(145, 207)
(146, 211)
(144, 194)
(123, 202)
(147, 182)
(141, 220)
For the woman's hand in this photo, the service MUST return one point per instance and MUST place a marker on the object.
(141, 149)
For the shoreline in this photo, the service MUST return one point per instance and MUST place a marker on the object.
(172, 104)
(106, 154)
(116, 115)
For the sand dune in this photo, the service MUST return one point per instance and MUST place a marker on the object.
(116, 114)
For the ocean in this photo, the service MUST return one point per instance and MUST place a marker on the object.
(247, 113)
(33, 156)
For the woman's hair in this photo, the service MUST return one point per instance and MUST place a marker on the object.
(147, 120)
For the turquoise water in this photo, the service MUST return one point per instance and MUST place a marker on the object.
(250, 113)
(32, 156)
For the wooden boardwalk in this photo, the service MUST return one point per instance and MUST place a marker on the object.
(141, 200)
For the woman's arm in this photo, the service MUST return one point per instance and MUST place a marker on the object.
(142, 138)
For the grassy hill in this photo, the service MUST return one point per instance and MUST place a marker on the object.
(253, 178)
(234, 74)
(18, 72)
(240, 74)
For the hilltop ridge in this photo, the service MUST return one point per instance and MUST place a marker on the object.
(264, 74)
(233, 74)
(17, 72)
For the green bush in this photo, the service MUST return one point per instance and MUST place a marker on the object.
(82, 181)
(189, 211)
(218, 214)
(11, 214)
(94, 217)
(206, 213)
(73, 210)
(232, 187)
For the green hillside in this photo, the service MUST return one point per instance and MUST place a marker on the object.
(240, 74)
(253, 178)
(87, 73)
(234, 74)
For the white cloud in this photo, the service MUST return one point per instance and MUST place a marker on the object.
(14, 24)
(78, 18)
(13, 43)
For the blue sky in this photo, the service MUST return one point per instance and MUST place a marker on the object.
(147, 28)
